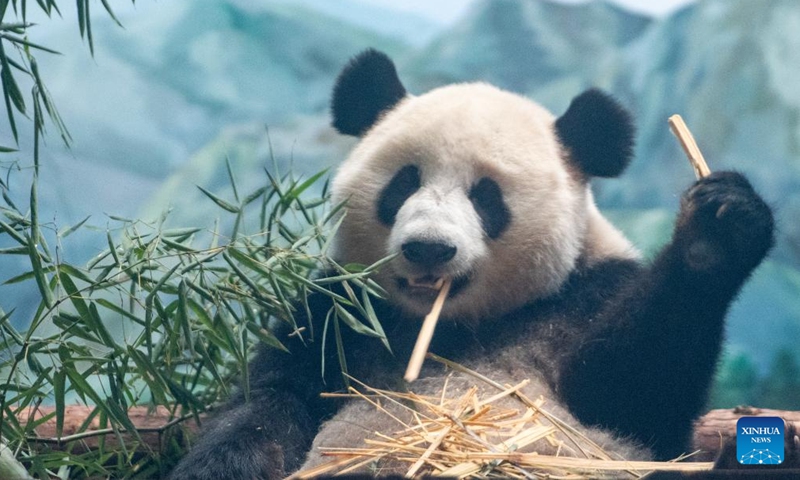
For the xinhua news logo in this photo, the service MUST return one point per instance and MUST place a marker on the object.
(759, 440)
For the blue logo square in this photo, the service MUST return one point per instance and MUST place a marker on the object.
(759, 440)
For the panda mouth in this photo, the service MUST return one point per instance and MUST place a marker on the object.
(428, 281)
(427, 287)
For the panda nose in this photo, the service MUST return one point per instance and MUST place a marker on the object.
(428, 254)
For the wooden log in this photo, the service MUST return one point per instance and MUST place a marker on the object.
(710, 433)
(714, 429)
(152, 427)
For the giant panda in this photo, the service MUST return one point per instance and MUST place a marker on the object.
(489, 189)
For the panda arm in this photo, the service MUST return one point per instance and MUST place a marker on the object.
(268, 434)
(645, 366)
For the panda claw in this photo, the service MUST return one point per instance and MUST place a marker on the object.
(727, 221)
(721, 211)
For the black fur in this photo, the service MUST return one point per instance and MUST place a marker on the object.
(404, 183)
(634, 345)
(367, 87)
(598, 134)
(487, 198)
(669, 323)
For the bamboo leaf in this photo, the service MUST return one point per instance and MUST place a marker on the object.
(55, 117)
(82, 387)
(210, 364)
(5, 71)
(380, 263)
(13, 233)
(183, 313)
(85, 23)
(18, 27)
(38, 238)
(249, 262)
(328, 320)
(220, 202)
(372, 318)
(39, 274)
(205, 293)
(69, 231)
(184, 396)
(340, 350)
(199, 262)
(59, 387)
(70, 270)
(177, 246)
(100, 327)
(158, 287)
(9, 329)
(111, 247)
(74, 295)
(297, 191)
(339, 278)
(82, 17)
(150, 374)
(265, 336)
(71, 325)
(26, 43)
(121, 416)
(87, 312)
(231, 178)
(119, 310)
(111, 12)
(352, 322)
(254, 196)
(313, 286)
(11, 89)
(11, 121)
(180, 232)
(225, 330)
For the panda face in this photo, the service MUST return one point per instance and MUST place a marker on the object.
(473, 184)
(466, 182)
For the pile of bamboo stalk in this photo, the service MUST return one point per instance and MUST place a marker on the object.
(475, 434)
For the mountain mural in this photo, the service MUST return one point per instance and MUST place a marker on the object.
(204, 80)
(169, 82)
(544, 49)
(728, 67)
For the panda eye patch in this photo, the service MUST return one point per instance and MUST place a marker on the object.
(404, 183)
(487, 199)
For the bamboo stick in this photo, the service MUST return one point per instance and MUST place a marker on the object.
(680, 130)
(426, 334)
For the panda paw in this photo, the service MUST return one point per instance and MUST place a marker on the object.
(724, 224)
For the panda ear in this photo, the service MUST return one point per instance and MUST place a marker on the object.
(598, 132)
(367, 87)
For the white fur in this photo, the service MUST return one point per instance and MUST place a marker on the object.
(603, 240)
(456, 135)
(440, 212)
